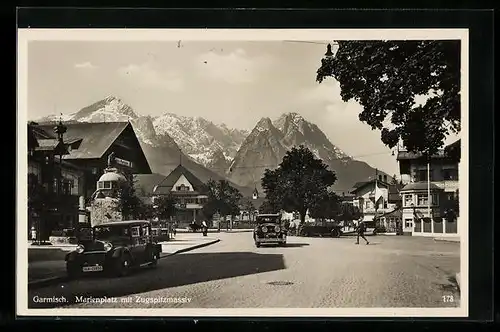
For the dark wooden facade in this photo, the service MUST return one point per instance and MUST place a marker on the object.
(84, 155)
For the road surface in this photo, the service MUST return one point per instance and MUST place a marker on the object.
(393, 271)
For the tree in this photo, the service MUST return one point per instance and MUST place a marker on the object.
(349, 212)
(132, 207)
(299, 183)
(268, 207)
(326, 208)
(222, 199)
(164, 206)
(385, 77)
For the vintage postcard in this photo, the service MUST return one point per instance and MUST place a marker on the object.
(196, 173)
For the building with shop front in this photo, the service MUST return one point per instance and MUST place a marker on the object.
(189, 192)
(377, 197)
(439, 215)
(68, 167)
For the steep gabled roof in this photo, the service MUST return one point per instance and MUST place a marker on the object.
(364, 184)
(165, 186)
(96, 137)
(420, 186)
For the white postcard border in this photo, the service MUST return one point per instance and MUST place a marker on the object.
(126, 35)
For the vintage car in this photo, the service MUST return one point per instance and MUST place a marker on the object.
(114, 248)
(329, 229)
(269, 230)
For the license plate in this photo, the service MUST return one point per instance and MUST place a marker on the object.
(95, 268)
(268, 240)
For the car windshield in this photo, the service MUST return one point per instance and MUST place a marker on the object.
(268, 219)
(111, 233)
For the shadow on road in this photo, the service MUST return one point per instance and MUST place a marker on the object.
(175, 271)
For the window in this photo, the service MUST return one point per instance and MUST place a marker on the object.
(182, 187)
(421, 175)
(135, 231)
(422, 199)
(66, 187)
(408, 223)
(450, 174)
(145, 230)
(408, 200)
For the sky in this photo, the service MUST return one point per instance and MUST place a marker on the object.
(236, 83)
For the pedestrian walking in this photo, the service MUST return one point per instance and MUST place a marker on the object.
(33, 234)
(205, 227)
(361, 232)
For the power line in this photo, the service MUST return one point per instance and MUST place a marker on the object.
(309, 42)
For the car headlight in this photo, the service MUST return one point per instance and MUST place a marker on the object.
(80, 248)
(264, 229)
(107, 246)
(277, 229)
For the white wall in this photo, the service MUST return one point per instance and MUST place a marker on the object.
(182, 181)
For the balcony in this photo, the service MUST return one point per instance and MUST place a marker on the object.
(379, 210)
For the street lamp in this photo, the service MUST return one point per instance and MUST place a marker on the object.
(329, 52)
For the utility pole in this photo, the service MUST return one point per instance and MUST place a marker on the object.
(429, 192)
(376, 187)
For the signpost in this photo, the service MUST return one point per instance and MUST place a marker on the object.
(123, 162)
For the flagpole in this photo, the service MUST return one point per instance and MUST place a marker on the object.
(376, 186)
(429, 194)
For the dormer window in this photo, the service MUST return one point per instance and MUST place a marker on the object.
(106, 185)
(182, 187)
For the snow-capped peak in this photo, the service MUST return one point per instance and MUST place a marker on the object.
(264, 124)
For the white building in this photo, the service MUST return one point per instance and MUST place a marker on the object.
(421, 217)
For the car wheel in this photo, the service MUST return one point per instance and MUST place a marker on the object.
(72, 271)
(123, 265)
(154, 259)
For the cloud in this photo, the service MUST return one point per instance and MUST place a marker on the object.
(147, 76)
(234, 68)
(85, 65)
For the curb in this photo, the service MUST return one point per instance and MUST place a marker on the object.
(55, 280)
(447, 240)
(201, 245)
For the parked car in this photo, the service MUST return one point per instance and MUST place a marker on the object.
(115, 248)
(194, 227)
(269, 230)
(327, 230)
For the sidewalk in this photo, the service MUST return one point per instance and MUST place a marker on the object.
(214, 231)
(51, 268)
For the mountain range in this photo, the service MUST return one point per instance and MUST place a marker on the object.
(216, 151)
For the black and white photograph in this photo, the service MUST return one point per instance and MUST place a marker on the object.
(242, 172)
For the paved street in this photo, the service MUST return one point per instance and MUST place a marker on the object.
(393, 271)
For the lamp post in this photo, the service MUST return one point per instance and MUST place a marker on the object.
(414, 216)
(60, 129)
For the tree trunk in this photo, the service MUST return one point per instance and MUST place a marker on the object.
(303, 216)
